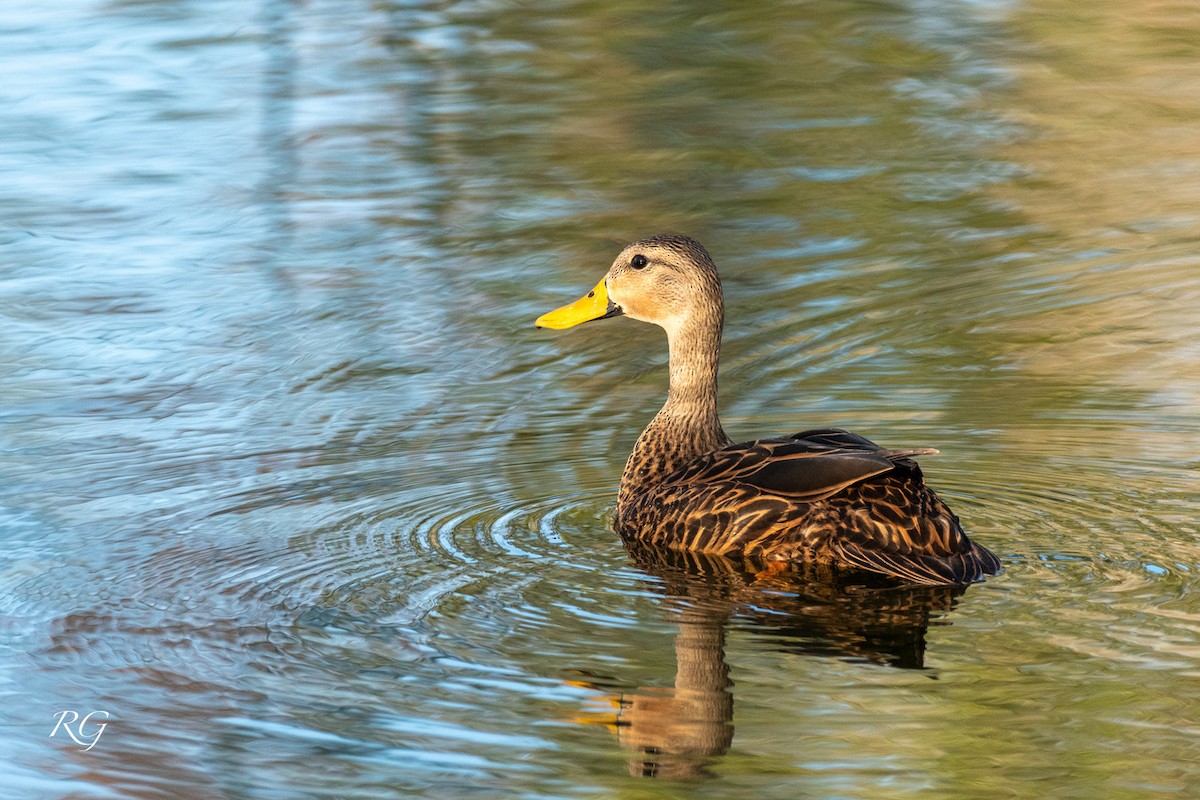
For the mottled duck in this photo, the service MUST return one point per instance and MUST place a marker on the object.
(825, 497)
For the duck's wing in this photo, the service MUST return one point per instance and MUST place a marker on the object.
(807, 466)
(888, 521)
(896, 525)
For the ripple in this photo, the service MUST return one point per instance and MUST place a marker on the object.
(1040, 518)
(392, 568)
(345, 638)
(420, 572)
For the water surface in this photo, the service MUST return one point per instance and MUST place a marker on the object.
(292, 489)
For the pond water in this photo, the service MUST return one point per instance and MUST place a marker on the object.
(294, 493)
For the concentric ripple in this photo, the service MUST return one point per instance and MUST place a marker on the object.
(433, 601)
(394, 566)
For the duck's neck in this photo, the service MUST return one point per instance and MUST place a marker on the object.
(687, 426)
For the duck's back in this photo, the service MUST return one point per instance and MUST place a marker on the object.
(824, 495)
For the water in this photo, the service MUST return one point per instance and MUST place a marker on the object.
(294, 492)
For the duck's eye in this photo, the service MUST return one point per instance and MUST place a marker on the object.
(639, 261)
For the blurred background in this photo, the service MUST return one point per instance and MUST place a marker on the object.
(292, 490)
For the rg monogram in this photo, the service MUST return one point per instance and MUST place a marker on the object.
(66, 719)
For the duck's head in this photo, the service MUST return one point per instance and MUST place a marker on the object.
(665, 279)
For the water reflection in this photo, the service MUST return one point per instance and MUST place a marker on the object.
(276, 134)
(677, 731)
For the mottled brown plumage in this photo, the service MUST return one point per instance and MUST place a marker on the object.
(825, 496)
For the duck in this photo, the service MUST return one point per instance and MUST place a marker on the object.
(825, 497)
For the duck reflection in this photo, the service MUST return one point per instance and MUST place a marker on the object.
(676, 732)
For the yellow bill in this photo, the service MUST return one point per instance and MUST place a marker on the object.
(594, 305)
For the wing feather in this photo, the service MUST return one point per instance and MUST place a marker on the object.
(863, 506)
(808, 465)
